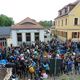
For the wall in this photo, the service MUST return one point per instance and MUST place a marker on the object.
(70, 27)
(62, 38)
(75, 13)
(14, 37)
(9, 42)
(59, 22)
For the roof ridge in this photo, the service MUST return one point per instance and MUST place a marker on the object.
(27, 20)
(24, 25)
(74, 3)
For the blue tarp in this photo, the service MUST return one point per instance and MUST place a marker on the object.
(60, 51)
(3, 62)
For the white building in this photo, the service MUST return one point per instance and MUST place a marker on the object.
(47, 35)
(28, 31)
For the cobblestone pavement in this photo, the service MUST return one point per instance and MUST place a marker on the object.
(70, 77)
(9, 73)
(2, 73)
(62, 77)
(67, 77)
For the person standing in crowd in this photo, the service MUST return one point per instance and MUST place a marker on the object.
(35, 58)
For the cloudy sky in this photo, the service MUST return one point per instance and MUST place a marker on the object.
(36, 9)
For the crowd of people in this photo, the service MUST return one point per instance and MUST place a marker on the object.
(33, 61)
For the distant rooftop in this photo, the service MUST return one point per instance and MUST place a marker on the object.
(27, 20)
(5, 31)
(66, 9)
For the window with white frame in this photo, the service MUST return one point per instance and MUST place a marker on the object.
(19, 37)
(74, 35)
(37, 36)
(28, 37)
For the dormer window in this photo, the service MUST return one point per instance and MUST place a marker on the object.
(60, 12)
(65, 10)
(68, 8)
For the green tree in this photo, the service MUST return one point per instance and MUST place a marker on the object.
(5, 20)
(46, 24)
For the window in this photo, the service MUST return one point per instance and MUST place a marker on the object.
(65, 34)
(3, 41)
(28, 37)
(36, 36)
(19, 37)
(65, 10)
(78, 34)
(60, 13)
(62, 22)
(75, 21)
(74, 35)
(54, 23)
(65, 21)
(45, 36)
(58, 23)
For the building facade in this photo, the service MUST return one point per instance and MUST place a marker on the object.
(67, 24)
(5, 39)
(28, 31)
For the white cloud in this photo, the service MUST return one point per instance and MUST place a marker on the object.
(36, 9)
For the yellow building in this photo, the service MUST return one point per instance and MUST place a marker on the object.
(67, 24)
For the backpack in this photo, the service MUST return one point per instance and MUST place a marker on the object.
(31, 69)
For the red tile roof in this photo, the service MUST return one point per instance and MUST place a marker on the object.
(27, 23)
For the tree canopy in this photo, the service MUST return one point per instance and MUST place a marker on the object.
(5, 20)
(46, 24)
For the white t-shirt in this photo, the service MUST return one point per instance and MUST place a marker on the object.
(45, 75)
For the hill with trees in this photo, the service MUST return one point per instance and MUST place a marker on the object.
(46, 24)
(6, 21)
